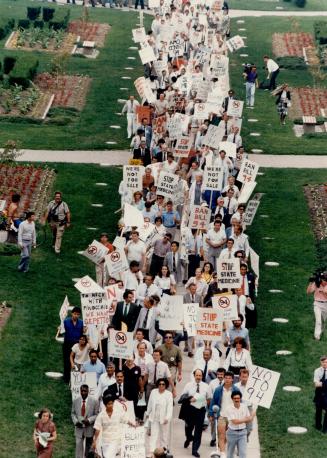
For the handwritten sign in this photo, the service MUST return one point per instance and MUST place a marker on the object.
(235, 43)
(261, 386)
(199, 217)
(251, 210)
(228, 273)
(183, 146)
(248, 171)
(213, 136)
(208, 326)
(120, 344)
(226, 306)
(133, 442)
(139, 35)
(167, 183)
(95, 308)
(190, 318)
(213, 178)
(77, 379)
(171, 313)
(132, 177)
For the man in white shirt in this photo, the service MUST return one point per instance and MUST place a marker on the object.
(139, 338)
(132, 277)
(170, 165)
(105, 380)
(228, 252)
(207, 365)
(146, 289)
(155, 370)
(135, 249)
(238, 416)
(244, 377)
(197, 391)
(272, 71)
(216, 239)
(130, 108)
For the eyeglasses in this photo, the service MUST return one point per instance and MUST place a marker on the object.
(168, 337)
(162, 384)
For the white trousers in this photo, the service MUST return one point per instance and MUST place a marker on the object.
(110, 450)
(131, 124)
(320, 312)
(250, 91)
(159, 435)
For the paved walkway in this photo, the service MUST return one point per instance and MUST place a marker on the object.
(121, 157)
(252, 13)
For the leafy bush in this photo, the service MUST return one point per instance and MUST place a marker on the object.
(24, 70)
(39, 24)
(20, 120)
(47, 14)
(6, 26)
(300, 3)
(24, 23)
(33, 12)
(9, 249)
(320, 29)
(60, 19)
(292, 62)
(8, 64)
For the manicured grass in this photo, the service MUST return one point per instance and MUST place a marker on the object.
(91, 130)
(275, 139)
(270, 5)
(29, 348)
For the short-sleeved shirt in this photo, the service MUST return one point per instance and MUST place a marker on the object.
(135, 251)
(233, 413)
(162, 371)
(111, 427)
(60, 210)
(168, 218)
(172, 356)
(99, 368)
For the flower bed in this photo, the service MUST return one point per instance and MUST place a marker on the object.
(68, 90)
(15, 101)
(291, 44)
(307, 102)
(90, 31)
(316, 196)
(33, 184)
(36, 39)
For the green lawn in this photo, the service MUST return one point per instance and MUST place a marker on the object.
(270, 5)
(275, 139)
(29, 348)
(91, 130)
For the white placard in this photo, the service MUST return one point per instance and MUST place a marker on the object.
(207, 326)
(119, 242)
(159, 66)
(144, 89)
(213, 136)
(132, 216)
(183, 146)
(147, 55)
(190, 318)
(114, 295)
(248, 171)
(87, 285)
(251, 210)
(261, 386)
(226, 306)
(229, 147)
(235, 108)
(145, 230)
(219, 65)
(246, 191)
(120, 344)
(154, 3)
(202, 110)
(254, 257)
(133, 442)
(132, 177)
(2, 205)
(203, 56)
(171, 313)
(228, 273)
(199, 217)
(77, 379)
(116, 262)
(139, 35)
(213, 178)
(95, 252)
(235, 43)
(176, 47)
(95, 308)
(167, 183)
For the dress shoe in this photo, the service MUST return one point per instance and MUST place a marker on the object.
(212, 442)
(186, 443)
(196, 454)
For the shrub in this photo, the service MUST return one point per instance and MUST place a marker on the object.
(24, 23)
(6, 26)
(33, 12)
(60, 20)
(47, 14)
(320, 29)
(300, 3)
(8, 64)
(24, 70)
(292, 63)
(39, 24)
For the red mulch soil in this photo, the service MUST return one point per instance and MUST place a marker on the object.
(4, 315)
(90, 31)
(307, 102)
(316, 196)
(69, 90)
(291, 44)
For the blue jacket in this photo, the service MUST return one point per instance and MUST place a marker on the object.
(217, 398)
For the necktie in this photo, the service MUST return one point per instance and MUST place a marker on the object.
(198, 388)
(125, 310)
(234, 138)
(226, 131)
(238, 305)
(324, 377)
(205, 371)
(146, 292)
(83, 409)
(145, 319)
(119, 390)
(228, 206)
(192, 299)
(174, 263)
(243, 284)
(229, 255)
(155, 374)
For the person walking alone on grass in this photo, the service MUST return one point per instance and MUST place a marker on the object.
(251, 83)
(283, 102)
(26, 239)
(272, 71)
(58, 216)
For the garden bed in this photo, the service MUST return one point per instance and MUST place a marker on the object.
(16, 101)
(307, 102)
(47, 39)
(69, 90)
(291, 44)
(316, 196)
(90, 31)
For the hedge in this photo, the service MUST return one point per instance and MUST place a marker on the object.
(33, 12)
(60, 19)
(39, 24)
(320, 29)
(47, 14)
(6, 26)
(295, 62)
(24, 70)
(24, 23)
(8, 64)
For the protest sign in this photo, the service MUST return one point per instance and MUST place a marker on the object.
(229, 147)
(114, 295)
(95, 252)
(201, 110)
(199, 217)
(139, 35)
(261, 386)
(250, 211)
(235, 43)
(235, 108)
(184, 83)
(213, 136)
(246, 191)
(145, 230)
(203, 90)
(213, 178)
(63, 312)
(159, 66)
(254, 257)
(240, 156)
(133, 442)
(119, 242)
(226, 306)
(167, 183)
(175, 127)
(219, 65)
(132, 177)
(144, 89)
(2, 204)
(88, 285)
(207, 326)
(159, 124)
(143, 113)
(171, 313)
(120, 344)
(176, 47)
(77, 379)
(202, 56)
(116, 262)
(183, 146)
(95, 308)
(132, 216)
(228, 273)
(248, 171)
(190, 318)
(147, 55)
(154, 3)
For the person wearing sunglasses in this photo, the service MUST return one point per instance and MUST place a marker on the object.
(172, 355)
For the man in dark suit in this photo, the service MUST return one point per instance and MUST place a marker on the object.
(173, 261)
(147, 320)
(231, 96)
(248, 289)
(123, 389)
(142, 153)
(126, 312)
(84, 412)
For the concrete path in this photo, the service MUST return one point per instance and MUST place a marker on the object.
(252, 13)
(121, 157)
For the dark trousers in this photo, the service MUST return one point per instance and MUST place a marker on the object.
(319, 424)
(156, 264)
(194, 425)
(66, 350)
(193, 263)
(141, 3)
(272, 82)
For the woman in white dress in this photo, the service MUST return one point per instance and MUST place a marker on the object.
(165, 281)
(238, 358)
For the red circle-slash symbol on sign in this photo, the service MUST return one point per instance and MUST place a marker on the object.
(121, 338)
(86, 283)
(115, 256)
(224, 302)
(92, 249)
